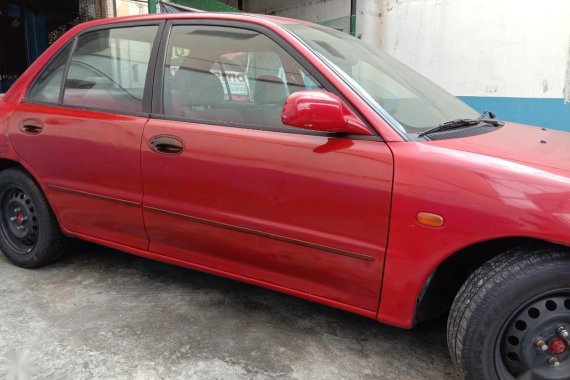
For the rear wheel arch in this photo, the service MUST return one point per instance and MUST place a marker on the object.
(443, 284)
(6, 163)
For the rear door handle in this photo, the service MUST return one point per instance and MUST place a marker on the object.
(31, 126)
(167, 145)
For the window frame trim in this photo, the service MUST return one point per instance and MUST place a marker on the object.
(70, 43)
(75, 41)
(149, 78)
(157, 107)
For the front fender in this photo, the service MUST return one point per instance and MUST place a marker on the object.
(481, 198)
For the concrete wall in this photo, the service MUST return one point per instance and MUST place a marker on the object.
(130, 7)
(309, 10)
(510, 56)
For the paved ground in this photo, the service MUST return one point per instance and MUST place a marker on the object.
(101, 314)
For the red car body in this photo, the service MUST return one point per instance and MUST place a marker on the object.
(332, 220)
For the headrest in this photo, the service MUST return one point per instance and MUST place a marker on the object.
(197, 87)
(269, 89)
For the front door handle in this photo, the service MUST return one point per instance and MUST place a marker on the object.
(168, 145)
(31, 126)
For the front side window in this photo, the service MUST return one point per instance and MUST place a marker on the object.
(224, 74)
(47, 86)
(416, 103)
(108, 69)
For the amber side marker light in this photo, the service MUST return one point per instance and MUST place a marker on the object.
(429, 219)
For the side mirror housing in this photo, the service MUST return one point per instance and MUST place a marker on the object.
(321, 111)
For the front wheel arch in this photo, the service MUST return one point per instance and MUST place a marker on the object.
(442, 285)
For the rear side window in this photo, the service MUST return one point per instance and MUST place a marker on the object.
(47, 86)
(108, 69)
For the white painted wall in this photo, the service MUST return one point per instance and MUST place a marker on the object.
(308, 10)
(510, 48)
(130, 8)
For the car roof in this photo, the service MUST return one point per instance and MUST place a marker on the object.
(229, 16)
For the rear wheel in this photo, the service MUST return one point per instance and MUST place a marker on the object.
(511, 318)
(29, 234)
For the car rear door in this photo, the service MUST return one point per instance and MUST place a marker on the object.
(82, 136)
(230, 189)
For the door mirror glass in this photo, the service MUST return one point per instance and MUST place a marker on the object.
(321, 111)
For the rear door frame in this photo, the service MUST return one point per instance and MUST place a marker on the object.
(141, 240)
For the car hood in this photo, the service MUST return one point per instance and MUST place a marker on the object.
(520, 143)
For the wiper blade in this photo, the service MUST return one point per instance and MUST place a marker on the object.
(461, 123)
(453, 124)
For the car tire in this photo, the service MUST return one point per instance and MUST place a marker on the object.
(30, 236)
(506, 320)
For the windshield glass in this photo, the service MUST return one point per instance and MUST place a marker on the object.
(415, 102)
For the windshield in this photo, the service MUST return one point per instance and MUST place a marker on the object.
(416, 103)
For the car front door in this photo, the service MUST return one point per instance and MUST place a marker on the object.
(230, 189)
(83, 141)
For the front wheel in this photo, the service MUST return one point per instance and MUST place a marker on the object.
(511, 318)
(30, 236)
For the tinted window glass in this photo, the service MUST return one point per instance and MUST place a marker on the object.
(222, 74)
(108, 69)
(47, 86)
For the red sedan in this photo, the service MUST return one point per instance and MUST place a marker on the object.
(298, 158)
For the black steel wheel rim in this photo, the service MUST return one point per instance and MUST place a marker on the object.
(523, 347)
(19, 221)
